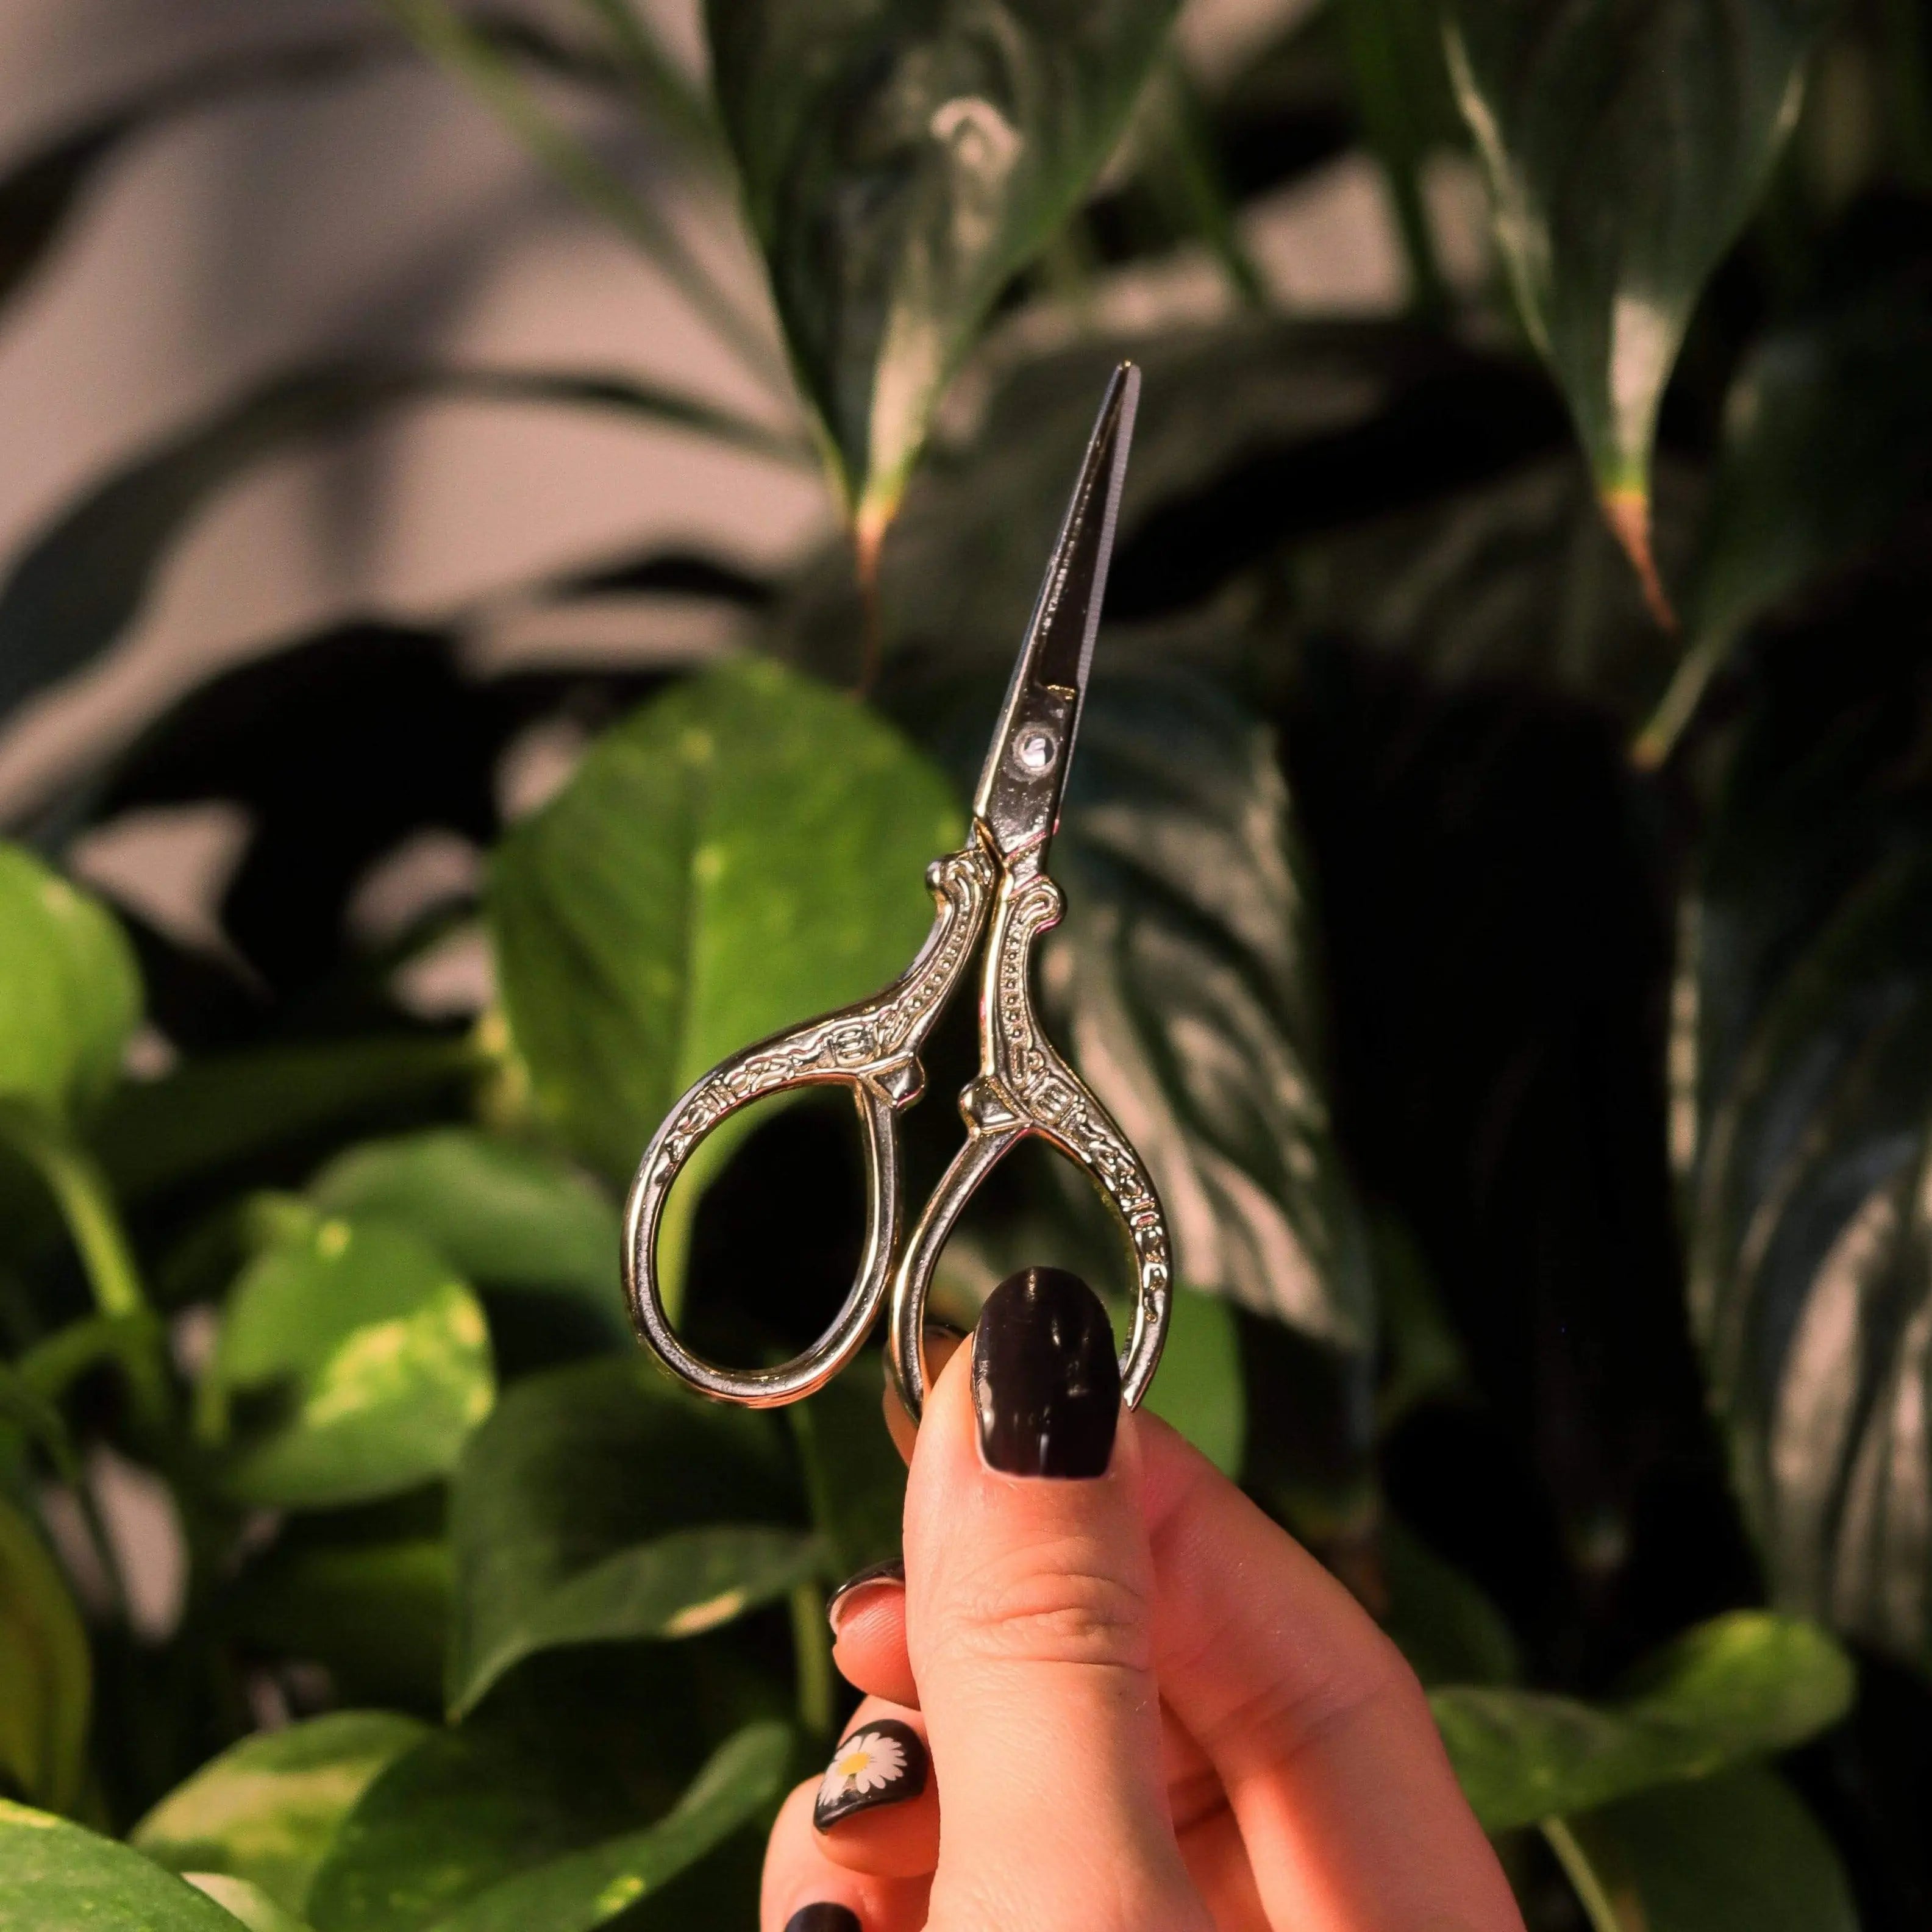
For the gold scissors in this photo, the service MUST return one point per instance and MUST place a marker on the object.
(1023, 1086)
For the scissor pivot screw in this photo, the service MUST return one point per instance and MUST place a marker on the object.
(1035, 750)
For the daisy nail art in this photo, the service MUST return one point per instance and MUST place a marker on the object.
(883, 1762)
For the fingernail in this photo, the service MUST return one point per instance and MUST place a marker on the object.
(891, 1571)
(1045, 1380)
(882, 1763)
(823, 1919)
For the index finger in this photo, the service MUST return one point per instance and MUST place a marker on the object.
(1316, 1725)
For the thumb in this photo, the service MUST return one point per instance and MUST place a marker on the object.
(1029, 1609)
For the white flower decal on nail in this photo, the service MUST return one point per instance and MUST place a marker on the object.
(867, 1761)
(880, 1764)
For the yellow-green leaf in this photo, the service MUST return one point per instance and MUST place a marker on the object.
(351, 1363)
(266, 1809)
(45, 1673)
(70, 993)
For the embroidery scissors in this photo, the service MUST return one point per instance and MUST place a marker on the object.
(1023, 1087)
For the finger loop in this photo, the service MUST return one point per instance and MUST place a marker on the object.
(806, 1373)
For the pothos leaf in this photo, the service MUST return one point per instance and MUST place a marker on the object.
(501, 1215)
(899, 161)
(69, 994)
(57, 1874)
(741, 854)
(265, 1810)
(600, 1502)
(351, 1363)
(1740, 1687)
(1736, 1853)
(585, 1889)
(1625, 143)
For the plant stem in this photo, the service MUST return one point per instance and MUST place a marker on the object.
(1699, 665)
(86, 1203)
(81, 1192)
(811, 1640)
(1598, 1905)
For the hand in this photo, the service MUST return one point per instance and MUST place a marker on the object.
(1135, 1703)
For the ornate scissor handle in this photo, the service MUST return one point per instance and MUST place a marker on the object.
(873, 1049)
(1025, 1087)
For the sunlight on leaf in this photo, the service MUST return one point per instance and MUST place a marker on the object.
(53, 1873)
(351, 1363)
(1742, 1686)
(70, 993)
(1625, 142)
(747, 852)
(899, 162)
(265, 1810)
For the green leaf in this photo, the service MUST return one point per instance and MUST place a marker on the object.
(1402, 93)
(155, 1134)
(743, 1779)
(1197, 1388)
(590, 1753)
(1740, 1687)
(1827, 427)
(375, 1614)
(1737, 1853)
(855, 1476)
(454, 1815)
(503, 1215)
(1625, 143)
(1186, 982)
(678, 1584)
(56, 1874)
(1805, 1000)
(351, 1363)
(898, 164)
(267, 1808)
(599, 1502)
(1445, 1625)
(1517, 580)
(70, 994)
(25, 1405)
(46, 1671)
(248, 1903)
(746, 852)
(79, 584)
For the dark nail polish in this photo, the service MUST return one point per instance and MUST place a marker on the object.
(1045, 1380)
(883, 1762)
(892, 1570)
(823, 1919)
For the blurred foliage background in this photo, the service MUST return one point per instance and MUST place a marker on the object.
(1499, 899)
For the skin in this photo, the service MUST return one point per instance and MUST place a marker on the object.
(1148, 1710)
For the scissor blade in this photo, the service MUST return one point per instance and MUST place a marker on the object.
(1019, 798)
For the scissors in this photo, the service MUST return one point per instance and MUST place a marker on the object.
(1023, 1087)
